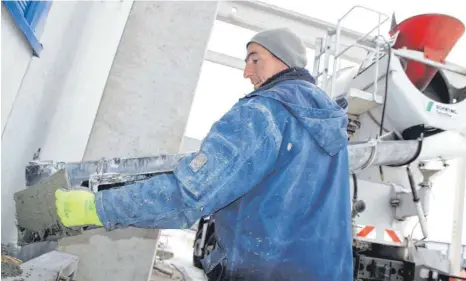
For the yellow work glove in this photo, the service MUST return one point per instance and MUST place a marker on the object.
(76, 208)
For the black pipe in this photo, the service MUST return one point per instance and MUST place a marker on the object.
(355, 187)
(412, 185)
(358, 205)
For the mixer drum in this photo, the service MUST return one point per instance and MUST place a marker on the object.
(433, 34)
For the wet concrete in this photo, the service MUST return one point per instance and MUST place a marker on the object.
(36, 214)
(9, 267)
(35, 206)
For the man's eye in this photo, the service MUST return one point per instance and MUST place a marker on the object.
(255, 61)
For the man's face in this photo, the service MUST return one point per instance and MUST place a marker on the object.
(261, 65)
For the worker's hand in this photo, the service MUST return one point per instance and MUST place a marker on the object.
(76, 208)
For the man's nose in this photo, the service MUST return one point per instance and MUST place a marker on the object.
(247, 71)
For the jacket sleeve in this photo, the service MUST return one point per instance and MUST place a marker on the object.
(238, 152)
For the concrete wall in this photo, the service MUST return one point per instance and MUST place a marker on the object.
(77, 107)
(60, 105)
(56, 104)
(16, 55)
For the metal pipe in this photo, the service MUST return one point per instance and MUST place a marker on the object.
(318, 55)
(376, 153)
(258, 15)
(376, 79)
(79, 172)
(417, 203)
(335, 60)
(362, 154)
(458, 213)
(419, 56)
(377, 59)
(327, 38)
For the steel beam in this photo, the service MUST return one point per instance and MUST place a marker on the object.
(225, 60)
(256, 16)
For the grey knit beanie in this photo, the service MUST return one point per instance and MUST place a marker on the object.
(284, 44)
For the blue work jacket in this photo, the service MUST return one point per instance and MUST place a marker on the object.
(274, 172)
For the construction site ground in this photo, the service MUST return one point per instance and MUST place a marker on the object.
(174, 260)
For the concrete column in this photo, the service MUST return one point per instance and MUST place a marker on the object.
(143, 111)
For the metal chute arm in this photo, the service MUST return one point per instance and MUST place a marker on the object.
(79, 172)
(42, 178)
(381, 153)
(361, 155)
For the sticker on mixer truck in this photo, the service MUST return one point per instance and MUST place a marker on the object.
(366, 231)
(369, 232)
(441, 109)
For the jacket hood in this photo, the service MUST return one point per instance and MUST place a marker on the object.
(323, 118)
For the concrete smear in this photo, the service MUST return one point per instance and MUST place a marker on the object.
(36, 214)
(10, 269)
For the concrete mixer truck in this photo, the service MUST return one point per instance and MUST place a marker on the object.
(407, 113)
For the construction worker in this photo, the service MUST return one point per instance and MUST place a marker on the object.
(273, 171)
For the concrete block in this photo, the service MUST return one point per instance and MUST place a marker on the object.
(51, 266)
